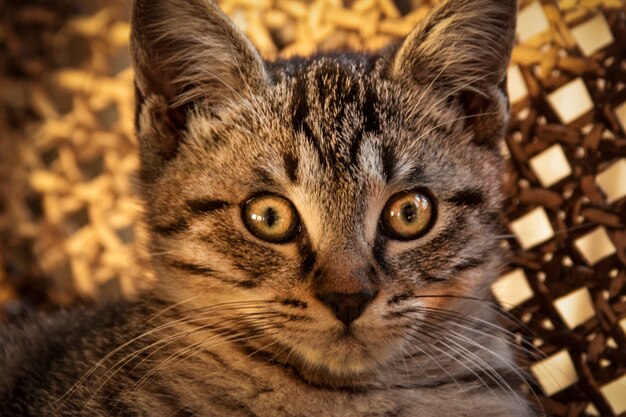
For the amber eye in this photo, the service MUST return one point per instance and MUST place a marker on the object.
(271, 218)
(408, 215)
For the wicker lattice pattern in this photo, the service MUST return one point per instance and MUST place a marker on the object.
(567, 208)
(68, 215)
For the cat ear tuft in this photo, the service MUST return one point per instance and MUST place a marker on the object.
(463, 48)
(184, 50)
(186, 53)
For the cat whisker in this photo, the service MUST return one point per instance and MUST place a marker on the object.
(449, 355)
(199, 346)
(493, 374)
(225, 336)
(447, 335)
(456, 319)
(101, 362)
(262, 349)
(161, 365)
(489, 370)
(506, 316)
(276, 354)
(406, 366)
(171, 307)
(112, 371)
(523, 376)
(229, 306)
(427, 343)
(484, 302)
(211, 326)
(286, 359)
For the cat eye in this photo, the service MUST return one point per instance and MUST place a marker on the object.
(408, 215)
(271, 218)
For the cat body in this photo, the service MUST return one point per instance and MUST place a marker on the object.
(323, 233)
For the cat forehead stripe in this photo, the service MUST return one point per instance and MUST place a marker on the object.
(332, 107)
(204, 206)
(468, 198)
(291, 162)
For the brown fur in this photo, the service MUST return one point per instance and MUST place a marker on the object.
(237, 326)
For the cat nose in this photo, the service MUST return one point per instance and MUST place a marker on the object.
(347, 307)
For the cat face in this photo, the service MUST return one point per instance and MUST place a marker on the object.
(335, 200)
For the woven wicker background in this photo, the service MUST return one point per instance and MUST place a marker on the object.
(68, 216)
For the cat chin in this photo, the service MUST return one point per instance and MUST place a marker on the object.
(341, 360)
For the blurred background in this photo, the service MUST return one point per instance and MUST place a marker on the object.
(69, 230)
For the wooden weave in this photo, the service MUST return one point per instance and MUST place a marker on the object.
(69, 217)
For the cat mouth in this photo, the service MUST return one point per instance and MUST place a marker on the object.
(344, 355)
(344, 361)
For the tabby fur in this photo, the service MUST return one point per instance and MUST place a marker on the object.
(233, 326)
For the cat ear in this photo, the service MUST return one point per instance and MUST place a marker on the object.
(463, 49)
(187, 52)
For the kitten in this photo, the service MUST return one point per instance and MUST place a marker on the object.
(323, 231)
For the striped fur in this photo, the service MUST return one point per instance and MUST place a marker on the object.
(233, 326)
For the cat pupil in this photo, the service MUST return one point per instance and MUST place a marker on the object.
(271, 217)
(409, 212)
